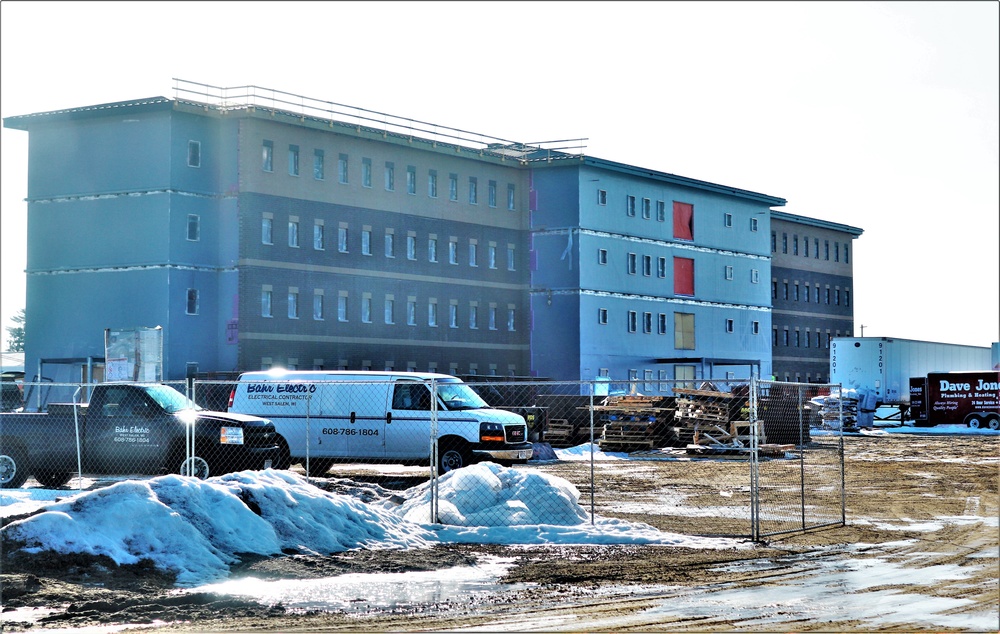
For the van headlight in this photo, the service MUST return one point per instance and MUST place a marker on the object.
(490, 432)
(231, 436)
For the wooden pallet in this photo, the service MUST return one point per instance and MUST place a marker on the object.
(558, 430)
(625, 436)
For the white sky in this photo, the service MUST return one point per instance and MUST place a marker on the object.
(883, 116)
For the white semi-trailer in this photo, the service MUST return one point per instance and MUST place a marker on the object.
(884, 365)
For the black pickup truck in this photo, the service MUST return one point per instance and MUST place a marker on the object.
(131, 429)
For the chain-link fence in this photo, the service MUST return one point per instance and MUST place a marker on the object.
(732, 458)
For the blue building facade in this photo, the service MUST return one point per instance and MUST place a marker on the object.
(268, 236)
(646, 276)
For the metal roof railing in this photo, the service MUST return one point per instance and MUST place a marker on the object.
(256, 97)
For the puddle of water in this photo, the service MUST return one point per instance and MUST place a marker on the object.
(361, 592)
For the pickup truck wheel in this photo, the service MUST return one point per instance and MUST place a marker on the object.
(452, 454)
(975, 420)
(195, 466)
(13, 467)
(284, 457)
(53, 479)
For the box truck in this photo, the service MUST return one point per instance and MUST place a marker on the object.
(956, 398)
(885, 365)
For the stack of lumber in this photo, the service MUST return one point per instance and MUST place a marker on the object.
(633, 422)
(713, 417)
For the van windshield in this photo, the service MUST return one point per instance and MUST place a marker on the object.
(458, 396)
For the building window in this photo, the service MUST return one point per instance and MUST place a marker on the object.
(411, 312)
(491, 194)
(432, 250)
(265, 303)
(366, 308)
(729, 272)
(683, 276)
(453, 187)
(342, 169)
(647, 323)
(684, 331)
(754, 276)
(342, 307)
(511, 318)
(795, 292)
(683, 221)
(631, 318)
(342, 239)
(816, 293)
(816, 248)
(366, 172)
(797, 339)
(661, 324)
(432, 313)
(319, 166)
(473, 191)
(473, 254)
(390, 244)
(194, 227)
(661, 267)
(847, 297)
(755, 328)
(390, 176)
(646, 209)
(805, 246)
(836, 252)
(293, 160)
(727, 220)
(411, 247)
(784, 243)
(774, 242)
(630, 264)
(452, 315)
(266, 229)
(293, 304)
(753, 224)
(847, 259)
(647, 265)
(192, 302)
(795, 245)
(452, 251)
(432, 184)
(826, 249)
(511, 258)
(389, 310)
(784, 337)
(806, 338)
(492, 256)
(492, 317)
(602, 197)
(473, 316)
(267, 160)
(602, 316)
(194, 154)
(366, 241)
(774, 289)
(318, 239)
(836, 297)
(806, 294)
(293, 232)
(411, 179)
(318, 306)
(661, 211)
(784, 291)
(827, 295)
(512, 199)
(602, 256)
(630, 206)
(730, 325)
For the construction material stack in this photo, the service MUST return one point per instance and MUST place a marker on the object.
(634, 423)
(710, 418)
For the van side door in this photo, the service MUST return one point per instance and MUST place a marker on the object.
(408, 421)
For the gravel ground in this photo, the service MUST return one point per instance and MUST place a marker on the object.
(897, 488)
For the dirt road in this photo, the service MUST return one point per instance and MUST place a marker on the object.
(921, 522)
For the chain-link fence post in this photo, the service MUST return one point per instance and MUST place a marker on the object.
(435, 449)
(754, 460)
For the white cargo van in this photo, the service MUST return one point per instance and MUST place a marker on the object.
(329, 416)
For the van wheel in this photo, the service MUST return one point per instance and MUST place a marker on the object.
(195, 466)
(13, 467)
(53, 479)
(975, 420)
(452, 454)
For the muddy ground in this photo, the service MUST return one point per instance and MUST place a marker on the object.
(895, 487)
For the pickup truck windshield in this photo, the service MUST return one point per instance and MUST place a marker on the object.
(170, 399)
(458, 396)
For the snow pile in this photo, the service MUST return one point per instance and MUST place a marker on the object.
(197, 529)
